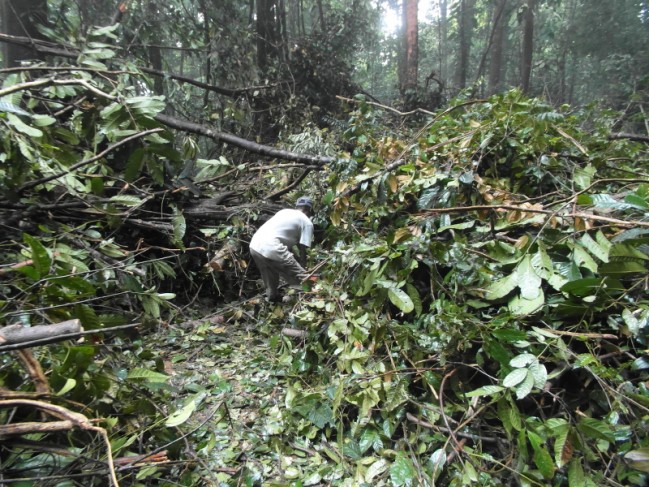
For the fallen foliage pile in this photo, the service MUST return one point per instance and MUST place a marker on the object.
(480, 314)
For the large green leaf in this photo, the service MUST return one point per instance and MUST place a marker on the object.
(400, 299)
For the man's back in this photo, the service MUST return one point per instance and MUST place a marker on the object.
(288, 227)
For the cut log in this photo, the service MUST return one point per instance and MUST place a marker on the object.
(217, 263)
(292, 332)
(19, 334)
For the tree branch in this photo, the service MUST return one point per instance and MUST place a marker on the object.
(248, 145)
(634, 137)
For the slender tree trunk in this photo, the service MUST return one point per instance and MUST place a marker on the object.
(528, 45)
(266, 32)
(465, 24)
(443, 39)
(283, 31)
(411, 44)
(495, 67)
(19, 18)
(321, 15)
(207, 41)
(155, 55)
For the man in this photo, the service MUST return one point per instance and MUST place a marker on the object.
(271, 246)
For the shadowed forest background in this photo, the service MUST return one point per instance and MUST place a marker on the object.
(479, 313)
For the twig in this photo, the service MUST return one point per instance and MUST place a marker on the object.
(585, 216)
(288, 188)
(70, 420)
(58, 82)
(458, 446)
(469, 436)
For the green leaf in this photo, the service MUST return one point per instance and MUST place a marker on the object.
(638, 459)
(523, 360)
(400, 299)
(583, 258)
(67, 387)
(376, 469)
(41, 259)
(542, 264)
(414, 296)
(576, 477)
(525, 387)
(596, 429)
(437, 462)
(402, 471)
(43, 120)
(542, 457)
(147, 375)
(179, 226)
(514, 378)
(519, 306)
(622, 268)
(502, 287)
(126, 200)
(321, 415)
(485, 391)
(623, 251)
(181, 415)
(539, 373)
(22, 127)
(11, 108)
(528, 281)
(636, 201)
(594, 247)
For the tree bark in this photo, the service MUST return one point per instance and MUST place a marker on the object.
(528, 46)
(266, 33)
(465, 21)
(248, 145)
(495, 67)
(411, 45)
(18, 334)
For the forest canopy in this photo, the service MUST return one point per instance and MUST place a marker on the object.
(476, 311)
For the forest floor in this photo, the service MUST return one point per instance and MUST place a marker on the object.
(230, 364)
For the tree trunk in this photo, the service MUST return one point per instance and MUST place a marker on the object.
(19, 18)
(528, 46)
(495, 67)
(466, 18)
(411, 48)
(266, 33)
(443, 39)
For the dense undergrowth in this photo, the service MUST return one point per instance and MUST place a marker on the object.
(480, 314)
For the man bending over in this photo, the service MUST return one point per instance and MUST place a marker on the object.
(271, 246)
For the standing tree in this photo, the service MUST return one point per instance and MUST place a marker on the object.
(411, 46)
(497, 46)
(528, 45)
(466, 20)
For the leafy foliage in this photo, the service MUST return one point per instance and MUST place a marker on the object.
(480, 311)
